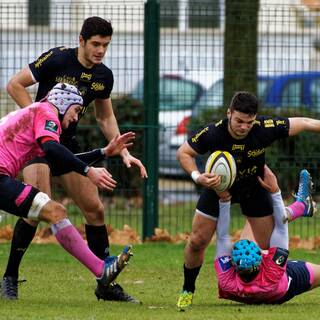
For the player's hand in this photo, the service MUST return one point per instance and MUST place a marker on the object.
(269, 181)
(224, 195)
(130, 160)
(209, 180)
(101, 178)
(118, 143)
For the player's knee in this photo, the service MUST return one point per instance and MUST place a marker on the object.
(58, 212)
(198, 242)
(94, 214)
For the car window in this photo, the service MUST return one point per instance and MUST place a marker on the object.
(315, 94)
(177, 94)
(174, 94)
(213, 98)
(292, 94)
(262, 88)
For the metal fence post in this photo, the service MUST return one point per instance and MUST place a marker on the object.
(151, 111)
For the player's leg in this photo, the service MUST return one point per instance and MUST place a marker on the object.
(261, 229)
(256, 205)
(37, 175)
(86, 197)
(302, 277)
(26, 201)
(304, 205)
(315, 268)
(203, 227)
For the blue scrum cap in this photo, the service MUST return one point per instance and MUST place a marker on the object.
(246, 256)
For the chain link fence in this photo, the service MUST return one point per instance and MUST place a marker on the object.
(281, 67)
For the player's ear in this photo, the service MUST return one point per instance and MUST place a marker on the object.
(229, 113)
(81, 41)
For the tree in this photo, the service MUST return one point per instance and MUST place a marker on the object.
(240, 47)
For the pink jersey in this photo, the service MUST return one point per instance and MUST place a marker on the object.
(19, 131)
(270, 284)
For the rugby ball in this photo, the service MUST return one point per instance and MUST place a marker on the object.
(222, 164)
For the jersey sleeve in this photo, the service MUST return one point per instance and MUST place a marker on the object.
(273, 128)
(47, 124)
(47, 63)
(275, 264)
(203, 140)
(103, 84)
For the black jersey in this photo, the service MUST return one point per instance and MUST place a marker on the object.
(61, 65)
(249, 152)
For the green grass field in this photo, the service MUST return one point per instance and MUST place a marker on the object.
(59, 288)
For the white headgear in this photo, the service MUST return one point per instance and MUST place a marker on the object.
(63, 96)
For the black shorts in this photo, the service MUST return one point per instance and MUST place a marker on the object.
(70, 143)
(299, 280)
(16, 197)
(254, 203)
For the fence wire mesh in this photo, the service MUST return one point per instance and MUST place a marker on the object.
(193, 44)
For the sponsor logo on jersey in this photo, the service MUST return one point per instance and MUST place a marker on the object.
(66, 79)
(225, 263)
(86, 76)
(255, 153)
(280, 122)
(51, 126)
(247, 172)
(196, 137)
(280, 257)
(97, 86)
(41, 60)
(238, 147)
(257, 122)
(280, 260)
(268, 123)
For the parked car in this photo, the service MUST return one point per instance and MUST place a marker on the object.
(177, 95)
(294, 90)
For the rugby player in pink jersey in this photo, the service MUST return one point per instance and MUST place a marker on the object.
(247, 274)
(35, 131)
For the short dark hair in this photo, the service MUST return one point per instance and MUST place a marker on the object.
(93, 26)
(244, 102)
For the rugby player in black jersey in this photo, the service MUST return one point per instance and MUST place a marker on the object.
(246, 136)
(83, 68)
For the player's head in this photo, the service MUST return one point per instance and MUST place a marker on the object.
(63, 96)
(242, 114)
(246, 257)
(244, 102)
(93, 26)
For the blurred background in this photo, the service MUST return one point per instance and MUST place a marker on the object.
(176, 65)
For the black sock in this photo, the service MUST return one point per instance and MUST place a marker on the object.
(22, 237)
(98, 241)
(190, 277)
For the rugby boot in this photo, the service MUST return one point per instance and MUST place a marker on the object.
(114, 265)
(185, 300)
(114, 292)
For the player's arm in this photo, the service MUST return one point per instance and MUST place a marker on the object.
(60, 156)
(108, 124)
(223, 242)
(280, 234)
(17, 85)
(186, 156)
(299, 124)
(116, 145)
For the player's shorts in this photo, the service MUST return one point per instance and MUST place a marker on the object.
(299, 280)
(70, 143)
(255, 203)
(16, 197)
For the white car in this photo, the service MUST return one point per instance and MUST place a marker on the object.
(177, 95)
